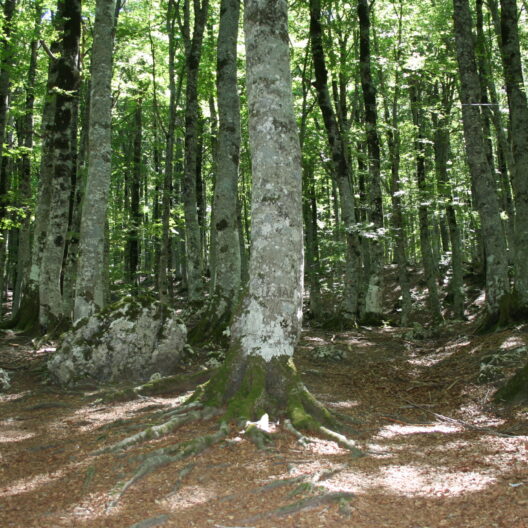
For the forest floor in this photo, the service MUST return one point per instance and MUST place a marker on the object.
(438, 453)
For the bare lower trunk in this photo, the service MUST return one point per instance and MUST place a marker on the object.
(89, 297)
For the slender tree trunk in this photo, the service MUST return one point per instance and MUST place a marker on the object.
(485, 193)
(441, 153)
(89, 297)
(135, 193)
(193, 247)
(341, 168)
(518, 105)
(374, 295)
(227, 259)
(63, 152)
(24, 241)
(423, 212)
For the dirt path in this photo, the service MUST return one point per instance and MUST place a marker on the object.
(437, 453)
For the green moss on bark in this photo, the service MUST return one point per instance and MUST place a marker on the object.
(250, 386)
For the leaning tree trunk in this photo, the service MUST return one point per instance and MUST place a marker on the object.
(485, 192)
(89, 296)
(373, 310)
(193, 244)
(63, 152)
(227, 245)
(340, 162)
(258, 376)
(518, 105)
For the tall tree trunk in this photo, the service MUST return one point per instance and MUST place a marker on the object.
(374, 295)
(190, 200)
(423, 210)
(486, 200)
(227, 259)
(63, 152)
(89, 296)
(24, 241)
(135, 193)
(441, 154)
(518, 105)
(258, 376)
(341, 169)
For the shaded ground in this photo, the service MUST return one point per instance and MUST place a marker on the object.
(438, 454)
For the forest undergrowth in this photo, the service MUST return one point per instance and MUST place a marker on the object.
(437, 451)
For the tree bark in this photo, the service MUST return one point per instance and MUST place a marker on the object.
(193, 247)
(518, 106)
(423, 211)
(63, 152)
(89, 296)
(341, 169)
(374, 294)
(485, 193)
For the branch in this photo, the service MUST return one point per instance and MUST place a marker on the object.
(49, 53)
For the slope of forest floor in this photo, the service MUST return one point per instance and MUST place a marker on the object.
(438, 453)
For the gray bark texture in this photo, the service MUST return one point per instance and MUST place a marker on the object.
(227, 259)
(485, 192)
(89, 288)
(270, 320)
(518, 105)
(63, 152)
(193, 243)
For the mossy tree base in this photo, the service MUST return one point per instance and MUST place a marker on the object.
(249, 387)
(26, 319)
(212, 326)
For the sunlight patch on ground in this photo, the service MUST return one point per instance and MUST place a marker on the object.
(14, 435)
(324, 447)
(426, 481)
(26, 485)
(394, 430)
(4, 398)
(188, 497)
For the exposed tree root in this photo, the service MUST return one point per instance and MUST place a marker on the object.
(168, 455)
(160, 430)
(308, 503)
(151, 522)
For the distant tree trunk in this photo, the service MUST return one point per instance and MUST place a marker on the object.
(518, 105)
(63, 152)
(135, 193)
(441, 153)
(486, 200)
(341, 168)
(5, 67)
(423, 210)
(163, 267)
(89, 296)
(227, 259)
(194, 262)
(374, 295)
(24, 241)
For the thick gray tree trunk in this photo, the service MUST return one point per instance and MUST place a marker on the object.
(485, 192)
(518, 105)
(258, 376)
(89, 296)
(63, 152)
